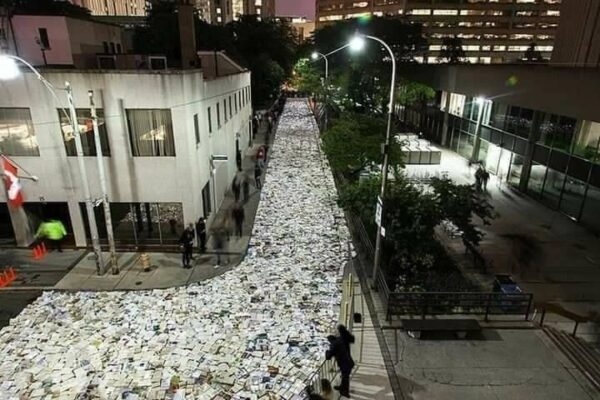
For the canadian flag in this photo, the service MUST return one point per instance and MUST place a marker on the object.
(11, 182)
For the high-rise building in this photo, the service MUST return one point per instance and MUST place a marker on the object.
(130, 8)
(492, 31)
(577, 41)
(224, 11)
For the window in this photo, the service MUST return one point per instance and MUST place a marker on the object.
(44, 41)
(225, 110)
(86, 133)
(209, 120)
(197, 128)
(151, 132)
(235, 102)
(119, 49)
(218, 115)
(113, 50)
(105, 47)
(230, 112)
(17, 137)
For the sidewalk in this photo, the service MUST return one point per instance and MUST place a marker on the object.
(166, 270)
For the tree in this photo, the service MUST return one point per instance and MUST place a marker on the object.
(452, 51)
(532, 55)
(306, 78)
(353, 142)
(45, 7)
(412, 93)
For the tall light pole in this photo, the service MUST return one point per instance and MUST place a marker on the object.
(10, 70)
(114, 266)
(316, 55)
(356, 44)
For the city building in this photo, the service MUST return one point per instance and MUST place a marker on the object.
(536, 127)
(303, 27)
(57, 40)
(225, 11)
(577, 42)
(169, 139)
(130, 8)
(492, 31)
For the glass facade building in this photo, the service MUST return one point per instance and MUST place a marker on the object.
(553, 158)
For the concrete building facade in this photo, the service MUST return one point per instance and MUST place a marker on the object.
(63, 41)
(169, 142)
(130, 8)
(225, 11)
(541, 141)
(492, 31)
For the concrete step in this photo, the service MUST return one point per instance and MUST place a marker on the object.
(581, 354)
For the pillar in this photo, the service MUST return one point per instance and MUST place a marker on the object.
(446, 119)
(528, 158)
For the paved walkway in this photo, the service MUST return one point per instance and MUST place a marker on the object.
(76, 270)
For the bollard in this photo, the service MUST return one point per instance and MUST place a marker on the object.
(145, 260)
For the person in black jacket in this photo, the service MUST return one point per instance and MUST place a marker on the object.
(338, 350)
(346, 337)
(201, 232)
(187, 245)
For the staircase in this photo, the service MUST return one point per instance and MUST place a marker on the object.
(583, 356)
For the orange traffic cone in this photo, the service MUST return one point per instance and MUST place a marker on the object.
(36, 253)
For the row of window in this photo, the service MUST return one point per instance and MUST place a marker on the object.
(240, 99)
(150, 130)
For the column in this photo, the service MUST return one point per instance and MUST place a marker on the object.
(528, 158)
(446, 119)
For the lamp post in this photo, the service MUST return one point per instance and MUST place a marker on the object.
(10, 70)
(316, 55)
(357, 43)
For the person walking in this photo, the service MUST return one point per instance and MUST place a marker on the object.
(257, 173)
(478, 178)
(337, 350)
(235, 187)
(260, 156)
(255, 125)
(238, 159)
(220, 237)
(346, 337)
(237, 213)
(186, 241)
(201, 233)
(246, 188)
(53, 231)
(485, 177)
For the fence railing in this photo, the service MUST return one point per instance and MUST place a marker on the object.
(462, 303)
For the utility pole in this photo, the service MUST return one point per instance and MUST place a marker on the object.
(114, 266)
(86, 188)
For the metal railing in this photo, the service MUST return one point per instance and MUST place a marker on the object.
(459, 303)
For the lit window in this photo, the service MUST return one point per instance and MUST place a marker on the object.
(435, 47)
(86, 133)
(445, 12)
(362, 4)
(544, 48)
(331, 18)
(421, 11)
(151, 133)
(17, 137)
(471, 48)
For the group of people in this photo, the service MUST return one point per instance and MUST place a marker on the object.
(339, 348)
(481, 178)
(186, 241)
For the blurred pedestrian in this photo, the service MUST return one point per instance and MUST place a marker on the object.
(235, 187)
(201, 233)
(337, 350)
(186, 242)
(246, 188)
(478, 178)
(326, 390)
(260, 156)
(220, 237)
(257, 173)
(237, 213)
(485, 177)
(238, 159)
(53, 232)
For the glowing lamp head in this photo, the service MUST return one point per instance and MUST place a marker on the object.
(8, 68)
(357, 43)
(480, 100)
(314, 55)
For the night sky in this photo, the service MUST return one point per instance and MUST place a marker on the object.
(301, 8)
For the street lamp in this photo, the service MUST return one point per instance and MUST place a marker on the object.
(10, 70)
(316, 55)
(357, 43)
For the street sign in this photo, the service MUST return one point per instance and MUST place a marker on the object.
(378, 211)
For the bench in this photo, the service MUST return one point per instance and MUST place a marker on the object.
(414, 327)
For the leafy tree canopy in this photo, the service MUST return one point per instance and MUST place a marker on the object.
(412, 93)
(306, 78)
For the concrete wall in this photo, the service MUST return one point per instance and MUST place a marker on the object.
(572, 92)
(177, 179)
(72, 41)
